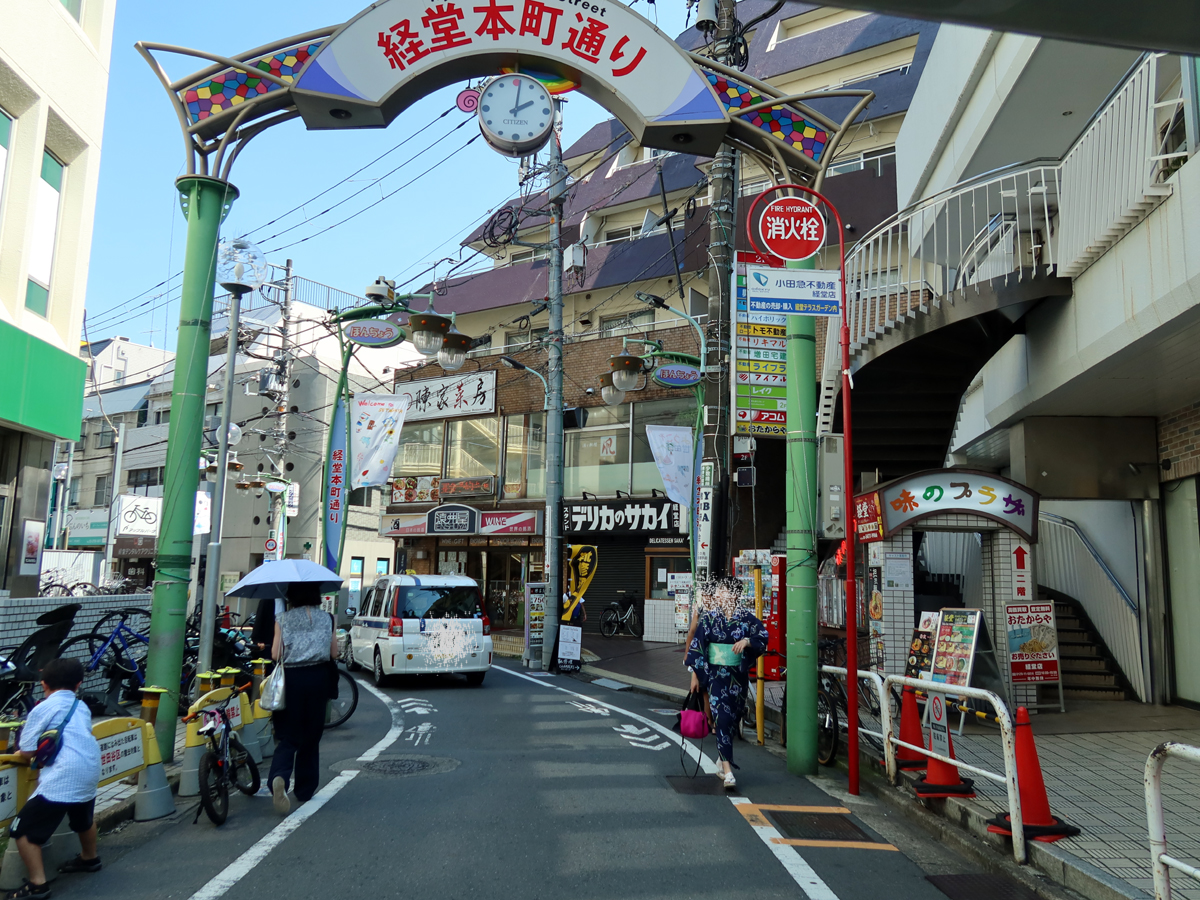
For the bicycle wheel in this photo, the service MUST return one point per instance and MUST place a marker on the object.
(95, 678)
(84, 589)
(635, 623)
(245, 769)
(16, 702)
(55, 590)
(868, 697)
(135, 618)
(214, 789)
(609, 622)
(343, 707)
(827, 729)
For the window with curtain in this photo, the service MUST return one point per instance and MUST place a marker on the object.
(44, 233)
(420, 449)
(472, 447)
(679, 411)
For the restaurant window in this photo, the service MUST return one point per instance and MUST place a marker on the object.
(597, 457)
(679, 411)
(472, 448)
(524, 457)
(420, 449)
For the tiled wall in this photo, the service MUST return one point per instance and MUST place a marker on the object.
(660, 622)
(1179, 442)
(18, 615)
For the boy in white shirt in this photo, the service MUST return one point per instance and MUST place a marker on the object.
(66, 787)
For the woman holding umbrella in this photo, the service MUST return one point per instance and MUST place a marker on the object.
(305, 644)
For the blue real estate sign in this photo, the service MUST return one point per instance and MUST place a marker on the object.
(792, 292)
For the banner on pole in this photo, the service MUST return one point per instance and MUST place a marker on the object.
(335, 484)
(377, 419)
(672, 447)
(581, 569)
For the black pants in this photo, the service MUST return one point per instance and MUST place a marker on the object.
(299, 727)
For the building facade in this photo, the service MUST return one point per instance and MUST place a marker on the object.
(51, 125)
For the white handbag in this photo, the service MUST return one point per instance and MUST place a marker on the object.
(270, 696)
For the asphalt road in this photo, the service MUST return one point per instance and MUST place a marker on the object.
(536, 788)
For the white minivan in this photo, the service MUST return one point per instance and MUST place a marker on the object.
(422, 624)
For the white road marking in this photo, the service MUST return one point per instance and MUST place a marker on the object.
(419, 733)
(416, 705)
(234, 872)
(795, 864)
(707, 764)
(589, 707)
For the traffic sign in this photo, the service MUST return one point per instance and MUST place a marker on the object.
(791, 228)
(271, 545)
(939, 728)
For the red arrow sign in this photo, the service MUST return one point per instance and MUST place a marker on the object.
(1020, 553)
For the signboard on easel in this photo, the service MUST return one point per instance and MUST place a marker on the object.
(964, 655)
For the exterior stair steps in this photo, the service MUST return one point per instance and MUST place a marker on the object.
(1088, 670)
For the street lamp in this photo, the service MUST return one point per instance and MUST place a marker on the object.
(625, 370)
(521, 367)
(454, 350)
(429, 332)
(609, 392)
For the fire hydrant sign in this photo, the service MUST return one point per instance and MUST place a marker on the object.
(120, 753)
(792, 228)
(793, 292)
(1032, 643)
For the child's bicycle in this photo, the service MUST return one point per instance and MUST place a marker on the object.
(225, 762)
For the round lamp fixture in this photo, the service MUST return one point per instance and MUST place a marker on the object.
(611, 395)
(243, 486)
(454, 350)
(241, 266)
(428, 332)
(625, 370)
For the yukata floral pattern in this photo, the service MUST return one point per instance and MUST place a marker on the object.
(727, 686)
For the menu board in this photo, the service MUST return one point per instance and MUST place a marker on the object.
(919, 663)
(954, 646)
(416, 489)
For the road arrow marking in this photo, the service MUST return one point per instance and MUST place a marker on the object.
(589, 708)
(416, 706)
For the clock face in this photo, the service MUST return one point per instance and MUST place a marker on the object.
(516, 114)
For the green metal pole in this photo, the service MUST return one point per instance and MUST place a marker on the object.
(802, 541)
(205, 202)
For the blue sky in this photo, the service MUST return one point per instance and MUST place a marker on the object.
(139, 230)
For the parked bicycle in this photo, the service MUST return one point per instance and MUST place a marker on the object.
(114, 660)
(226, 761)
(343, 707)
(833, 705)
(21, 669)
(613, 619)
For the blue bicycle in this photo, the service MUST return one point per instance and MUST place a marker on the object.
(113, 658)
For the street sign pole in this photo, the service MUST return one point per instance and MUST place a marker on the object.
(205, 202)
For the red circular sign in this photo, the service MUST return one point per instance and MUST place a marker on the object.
(791, 228)
(270, 546)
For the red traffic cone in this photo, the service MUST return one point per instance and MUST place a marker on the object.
(942, 779)
(910, 732)
(1036, 817)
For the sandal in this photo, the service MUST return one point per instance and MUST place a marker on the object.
(79, 864)
(30, 891)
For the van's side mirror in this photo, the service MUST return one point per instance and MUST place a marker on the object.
(352, 610)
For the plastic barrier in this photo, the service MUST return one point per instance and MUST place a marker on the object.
(195, 744)
(1007, 742)
(1163, 863)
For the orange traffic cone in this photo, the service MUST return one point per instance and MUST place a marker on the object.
(942, 779)
(910, 732)
(1036, 817)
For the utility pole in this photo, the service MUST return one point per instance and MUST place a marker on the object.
(721, 245)
(110, 535)
(281, 432)
(205, 202)
(554, 414)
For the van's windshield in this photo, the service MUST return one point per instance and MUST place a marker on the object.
(460, 601)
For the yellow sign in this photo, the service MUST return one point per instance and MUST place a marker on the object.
(581, 569)
(774, 368)
(761, 330)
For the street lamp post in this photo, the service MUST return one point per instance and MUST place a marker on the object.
(241, 268)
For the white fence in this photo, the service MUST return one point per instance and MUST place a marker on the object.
(1162, 862)
(1110, 178)
(1067, 562)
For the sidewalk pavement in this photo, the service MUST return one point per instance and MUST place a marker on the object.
(1092, 760)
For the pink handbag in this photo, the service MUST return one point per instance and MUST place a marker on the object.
(692, 724)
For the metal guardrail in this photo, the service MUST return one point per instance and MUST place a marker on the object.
(1067, 562)
(1159, 858)
(1007, 743)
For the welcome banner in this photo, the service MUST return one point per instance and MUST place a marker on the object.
(376, 420)
(674, 455)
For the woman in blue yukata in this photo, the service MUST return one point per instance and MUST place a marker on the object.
(727, 639)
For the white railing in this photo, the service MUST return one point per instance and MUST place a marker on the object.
(1159, 859)
(1110, 177)
(998, 225)
(1068, 563)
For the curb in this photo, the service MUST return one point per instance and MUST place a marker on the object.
(652, 688)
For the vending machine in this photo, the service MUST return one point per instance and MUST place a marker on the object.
(775, 618)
